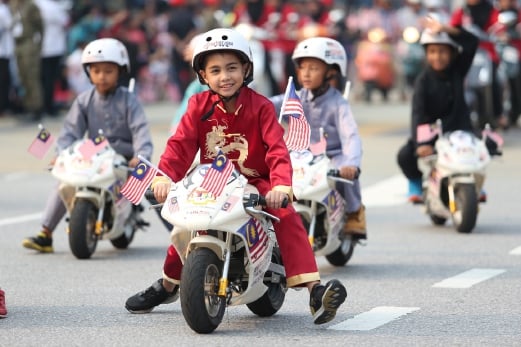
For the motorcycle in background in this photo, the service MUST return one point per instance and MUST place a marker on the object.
(320, 206)
(454, 177)
(89, 188)
(228, 247)
(375, 64)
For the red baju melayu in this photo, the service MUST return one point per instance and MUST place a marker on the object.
(252, 139)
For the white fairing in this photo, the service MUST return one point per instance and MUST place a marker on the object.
(105, 171)
(311, 183)
(193, 211)
(461, 152)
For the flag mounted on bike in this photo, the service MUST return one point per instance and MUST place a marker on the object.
(91, 147)
(138, 182)
(41, 144)
(298, 133)
(217, 175)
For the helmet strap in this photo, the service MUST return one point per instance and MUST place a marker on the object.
(221, 98)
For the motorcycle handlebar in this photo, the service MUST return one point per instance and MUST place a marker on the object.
(336, 173)
(260, 200)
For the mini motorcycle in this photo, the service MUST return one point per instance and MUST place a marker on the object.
(320, 206)
(453, 178)
(228, 247)
(89, 188)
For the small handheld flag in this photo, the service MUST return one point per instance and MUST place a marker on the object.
(138, 182)
(41, 144)
(298, 133)
(217, 175)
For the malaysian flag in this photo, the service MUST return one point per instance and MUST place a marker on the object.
(298, 133)
(138, 182)
(319, 147)
(217, 175)
(41, 144)
(426, 132)
(256, 238)
(90, 148)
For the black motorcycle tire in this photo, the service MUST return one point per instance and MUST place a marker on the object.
(202, 308)
(343, 253)
(82, 226)
(123, 241)
(437, 220)
(467, 203)
(271, 301)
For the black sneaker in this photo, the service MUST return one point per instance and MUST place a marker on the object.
(156, 294)
(41, 242)
(325, 300)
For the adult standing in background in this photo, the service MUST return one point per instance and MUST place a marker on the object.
(28, 32)
(55, 20)
(6, 54)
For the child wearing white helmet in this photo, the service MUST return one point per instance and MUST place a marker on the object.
(106, 107)
(438, 94)
(317, 60)
(246, 127)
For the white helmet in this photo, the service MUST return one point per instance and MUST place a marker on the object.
(222, 39)
(105, 50)
(323, 48)
(441, 38)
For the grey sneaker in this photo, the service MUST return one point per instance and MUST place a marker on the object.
(325, 300)
(156, 294)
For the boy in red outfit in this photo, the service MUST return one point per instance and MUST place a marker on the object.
(244, 124)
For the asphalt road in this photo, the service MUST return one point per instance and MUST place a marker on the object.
(401, 285)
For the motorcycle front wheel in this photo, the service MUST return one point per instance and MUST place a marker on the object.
(82, 226)
(466, 214)
(202, 308)
(269, 303)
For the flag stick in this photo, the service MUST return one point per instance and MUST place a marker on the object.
(286, 96)
(347, 89)
(152, 165)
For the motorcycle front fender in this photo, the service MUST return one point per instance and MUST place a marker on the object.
(69, 194)
(212, 243)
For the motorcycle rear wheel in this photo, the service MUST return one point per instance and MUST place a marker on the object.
(123, 241)
(269, 303)
(343, 253)
(465, 216)
(202, 308)
(82, 225)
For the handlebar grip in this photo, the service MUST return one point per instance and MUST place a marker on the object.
(149, 195)
(262, 201)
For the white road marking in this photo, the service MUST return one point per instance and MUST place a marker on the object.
(374, 318)
(20, 219)
(468, 278)
(516, 251)
(389, 192)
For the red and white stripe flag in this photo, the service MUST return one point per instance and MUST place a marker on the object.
(217, 175)
(298, 133)
(41, 144)
(138, 182)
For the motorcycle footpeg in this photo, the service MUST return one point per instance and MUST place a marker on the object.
(140, 223)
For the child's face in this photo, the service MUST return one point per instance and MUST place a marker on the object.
(224, 73)
(438, 56)
(311, 72)
(104, 76)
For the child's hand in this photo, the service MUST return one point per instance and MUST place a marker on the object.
(133, 162)
(424, 150)
(275, 198)
(161, 191)
(433, 25)
(349, 172)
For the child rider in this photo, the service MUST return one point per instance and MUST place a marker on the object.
(230, 113)
(107, 106)
(317, 60)
(438, 94)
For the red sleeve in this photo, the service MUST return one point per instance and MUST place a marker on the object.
(277, 156)
(457, 18)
